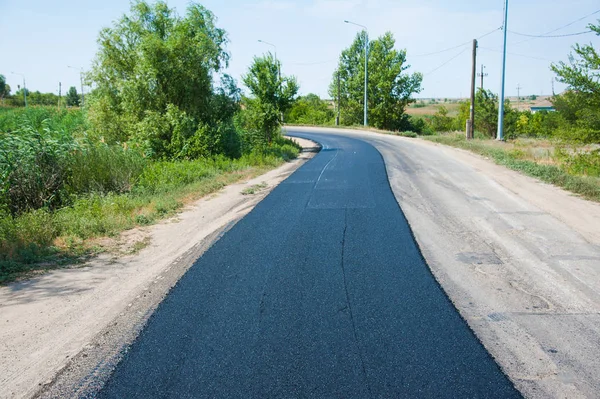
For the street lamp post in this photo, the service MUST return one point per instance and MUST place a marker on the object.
(24, 87)
(81, 81)
(278, 67)
(500, 135)
(366, 67)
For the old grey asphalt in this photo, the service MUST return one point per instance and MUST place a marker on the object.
(319, 292)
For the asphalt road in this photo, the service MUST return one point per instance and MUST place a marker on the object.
(319, 292)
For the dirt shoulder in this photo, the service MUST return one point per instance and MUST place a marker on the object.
(63, 328)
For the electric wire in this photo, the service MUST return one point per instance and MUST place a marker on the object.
(550, 36)
(557, 29)
(455, 47)
(445, 63)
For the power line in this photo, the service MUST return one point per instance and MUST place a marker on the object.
(445, 63)
(550, 36)
(455, 47)
(560, 27)
(574, 22)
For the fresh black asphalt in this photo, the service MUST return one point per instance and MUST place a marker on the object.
(319, 292)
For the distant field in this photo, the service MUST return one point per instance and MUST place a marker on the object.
(452, 105)
(431, 109)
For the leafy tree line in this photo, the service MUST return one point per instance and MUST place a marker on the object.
(160, 94)
(71, 98)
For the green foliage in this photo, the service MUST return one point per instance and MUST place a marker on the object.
(582, 73)
(4, 88)
(441, 122)
(389, 88)
(581, 105)
(154, 83)
(34, 167)
(72, 97)
(161, 188)
(310, 110)
(13, 119)
(580, 163)
(98, 168)
(271, 95)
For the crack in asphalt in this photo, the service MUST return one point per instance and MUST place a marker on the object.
(349, 306)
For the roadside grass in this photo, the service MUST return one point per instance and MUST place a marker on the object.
(255, 189)
(44, 239)
(576, 169)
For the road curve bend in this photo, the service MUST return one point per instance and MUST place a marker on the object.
(319, 292)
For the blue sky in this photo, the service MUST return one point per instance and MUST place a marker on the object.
(40, 38)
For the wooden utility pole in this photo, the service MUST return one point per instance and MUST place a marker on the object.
(59, 94)
(471, 126)
(519, 96)
(482, 75)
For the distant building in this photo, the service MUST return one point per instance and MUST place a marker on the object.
(535, 110)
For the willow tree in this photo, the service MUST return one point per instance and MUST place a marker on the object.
(153, 78)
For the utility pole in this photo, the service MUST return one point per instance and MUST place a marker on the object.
(519, 96)
(59, 94)
(24, 87)
(366, 76)
(482, 75)
(339, 85)
(82, 95)
(500, 135)
(553, 87)
(471, 127)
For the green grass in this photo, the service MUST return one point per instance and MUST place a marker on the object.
(255, 189)
(586, 186)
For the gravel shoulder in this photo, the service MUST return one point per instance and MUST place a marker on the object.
(67, 328)
(520, 259)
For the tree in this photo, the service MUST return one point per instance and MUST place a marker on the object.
(582, 73)
(581, 104)
(310, 110)
(72, 97)
(154, 82)
(272, 95)
(4, 88)
(389, 87)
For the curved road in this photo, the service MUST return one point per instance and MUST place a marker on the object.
(319, 292)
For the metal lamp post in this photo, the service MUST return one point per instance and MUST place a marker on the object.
(81, 81)
(366, 67)
(500, 135)
(24, 87)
